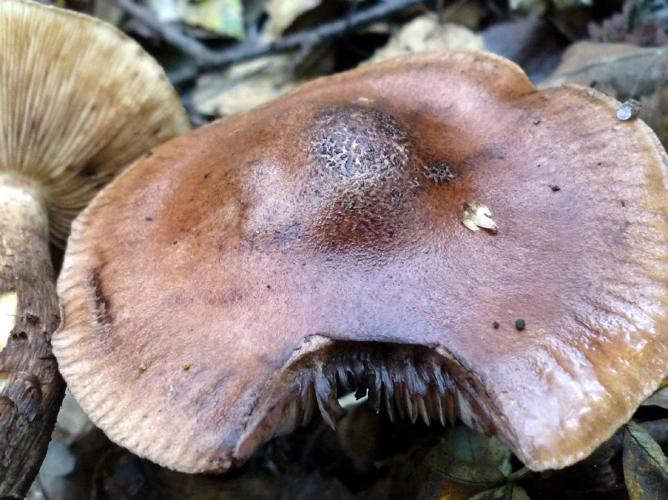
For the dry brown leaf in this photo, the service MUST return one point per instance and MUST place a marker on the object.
(426, 33)
(244, 86)
(282, 13)
(622, 71)
(469, 13)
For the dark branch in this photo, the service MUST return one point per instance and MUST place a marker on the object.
(168, 32)
(208, 60)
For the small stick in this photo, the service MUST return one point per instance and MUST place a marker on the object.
(208, 60)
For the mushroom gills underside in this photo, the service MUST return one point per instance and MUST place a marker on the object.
(405, 381)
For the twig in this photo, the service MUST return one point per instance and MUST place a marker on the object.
(169, 33)
(208, 60)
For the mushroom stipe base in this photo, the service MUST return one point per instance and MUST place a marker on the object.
(31, 389)
(79, 100)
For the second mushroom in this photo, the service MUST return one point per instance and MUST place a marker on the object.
(78, 101)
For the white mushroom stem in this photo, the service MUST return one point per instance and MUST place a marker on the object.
(31, 388)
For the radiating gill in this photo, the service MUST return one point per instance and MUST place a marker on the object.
(407, 385)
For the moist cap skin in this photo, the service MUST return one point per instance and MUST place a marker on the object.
(218, 292)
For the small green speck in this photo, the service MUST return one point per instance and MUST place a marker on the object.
(186, 367)
(520, 324)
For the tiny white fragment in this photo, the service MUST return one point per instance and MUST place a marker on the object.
(9, 302)
(477, 215)
(629, 109)
(363, 100)
(350, 400)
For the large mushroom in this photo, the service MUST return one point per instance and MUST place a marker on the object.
(433, 229)
(78, 101)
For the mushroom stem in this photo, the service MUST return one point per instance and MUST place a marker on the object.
(31, 388)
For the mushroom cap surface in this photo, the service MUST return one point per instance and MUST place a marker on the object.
(220, 279)
(79, 100)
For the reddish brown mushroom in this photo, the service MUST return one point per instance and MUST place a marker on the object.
(219, 291)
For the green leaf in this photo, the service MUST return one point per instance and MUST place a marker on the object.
(468, 457)
(224, 17)
(645, 465)
(659, 398)
(282, 13)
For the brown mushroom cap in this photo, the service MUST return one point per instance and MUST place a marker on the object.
(79, 100)
(217, 291)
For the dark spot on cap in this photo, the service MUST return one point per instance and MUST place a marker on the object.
(496, 325)
(101, 311)
(439, 172)
(520, 324)
(554, 188)
(207, 174)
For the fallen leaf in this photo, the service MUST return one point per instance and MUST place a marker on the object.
(536, 6)
(659, 398)
(466, 456)
(282, 13)
(622, 71)
(639, 22)
(168, 10)
(464, 464)
(244, 86)
(426, 33)
(645, 465)
(469, 13)
(540, 6)
(107, 12)
(223, 17)
(532, 42)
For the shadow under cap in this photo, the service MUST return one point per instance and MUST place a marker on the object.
(222, 289)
